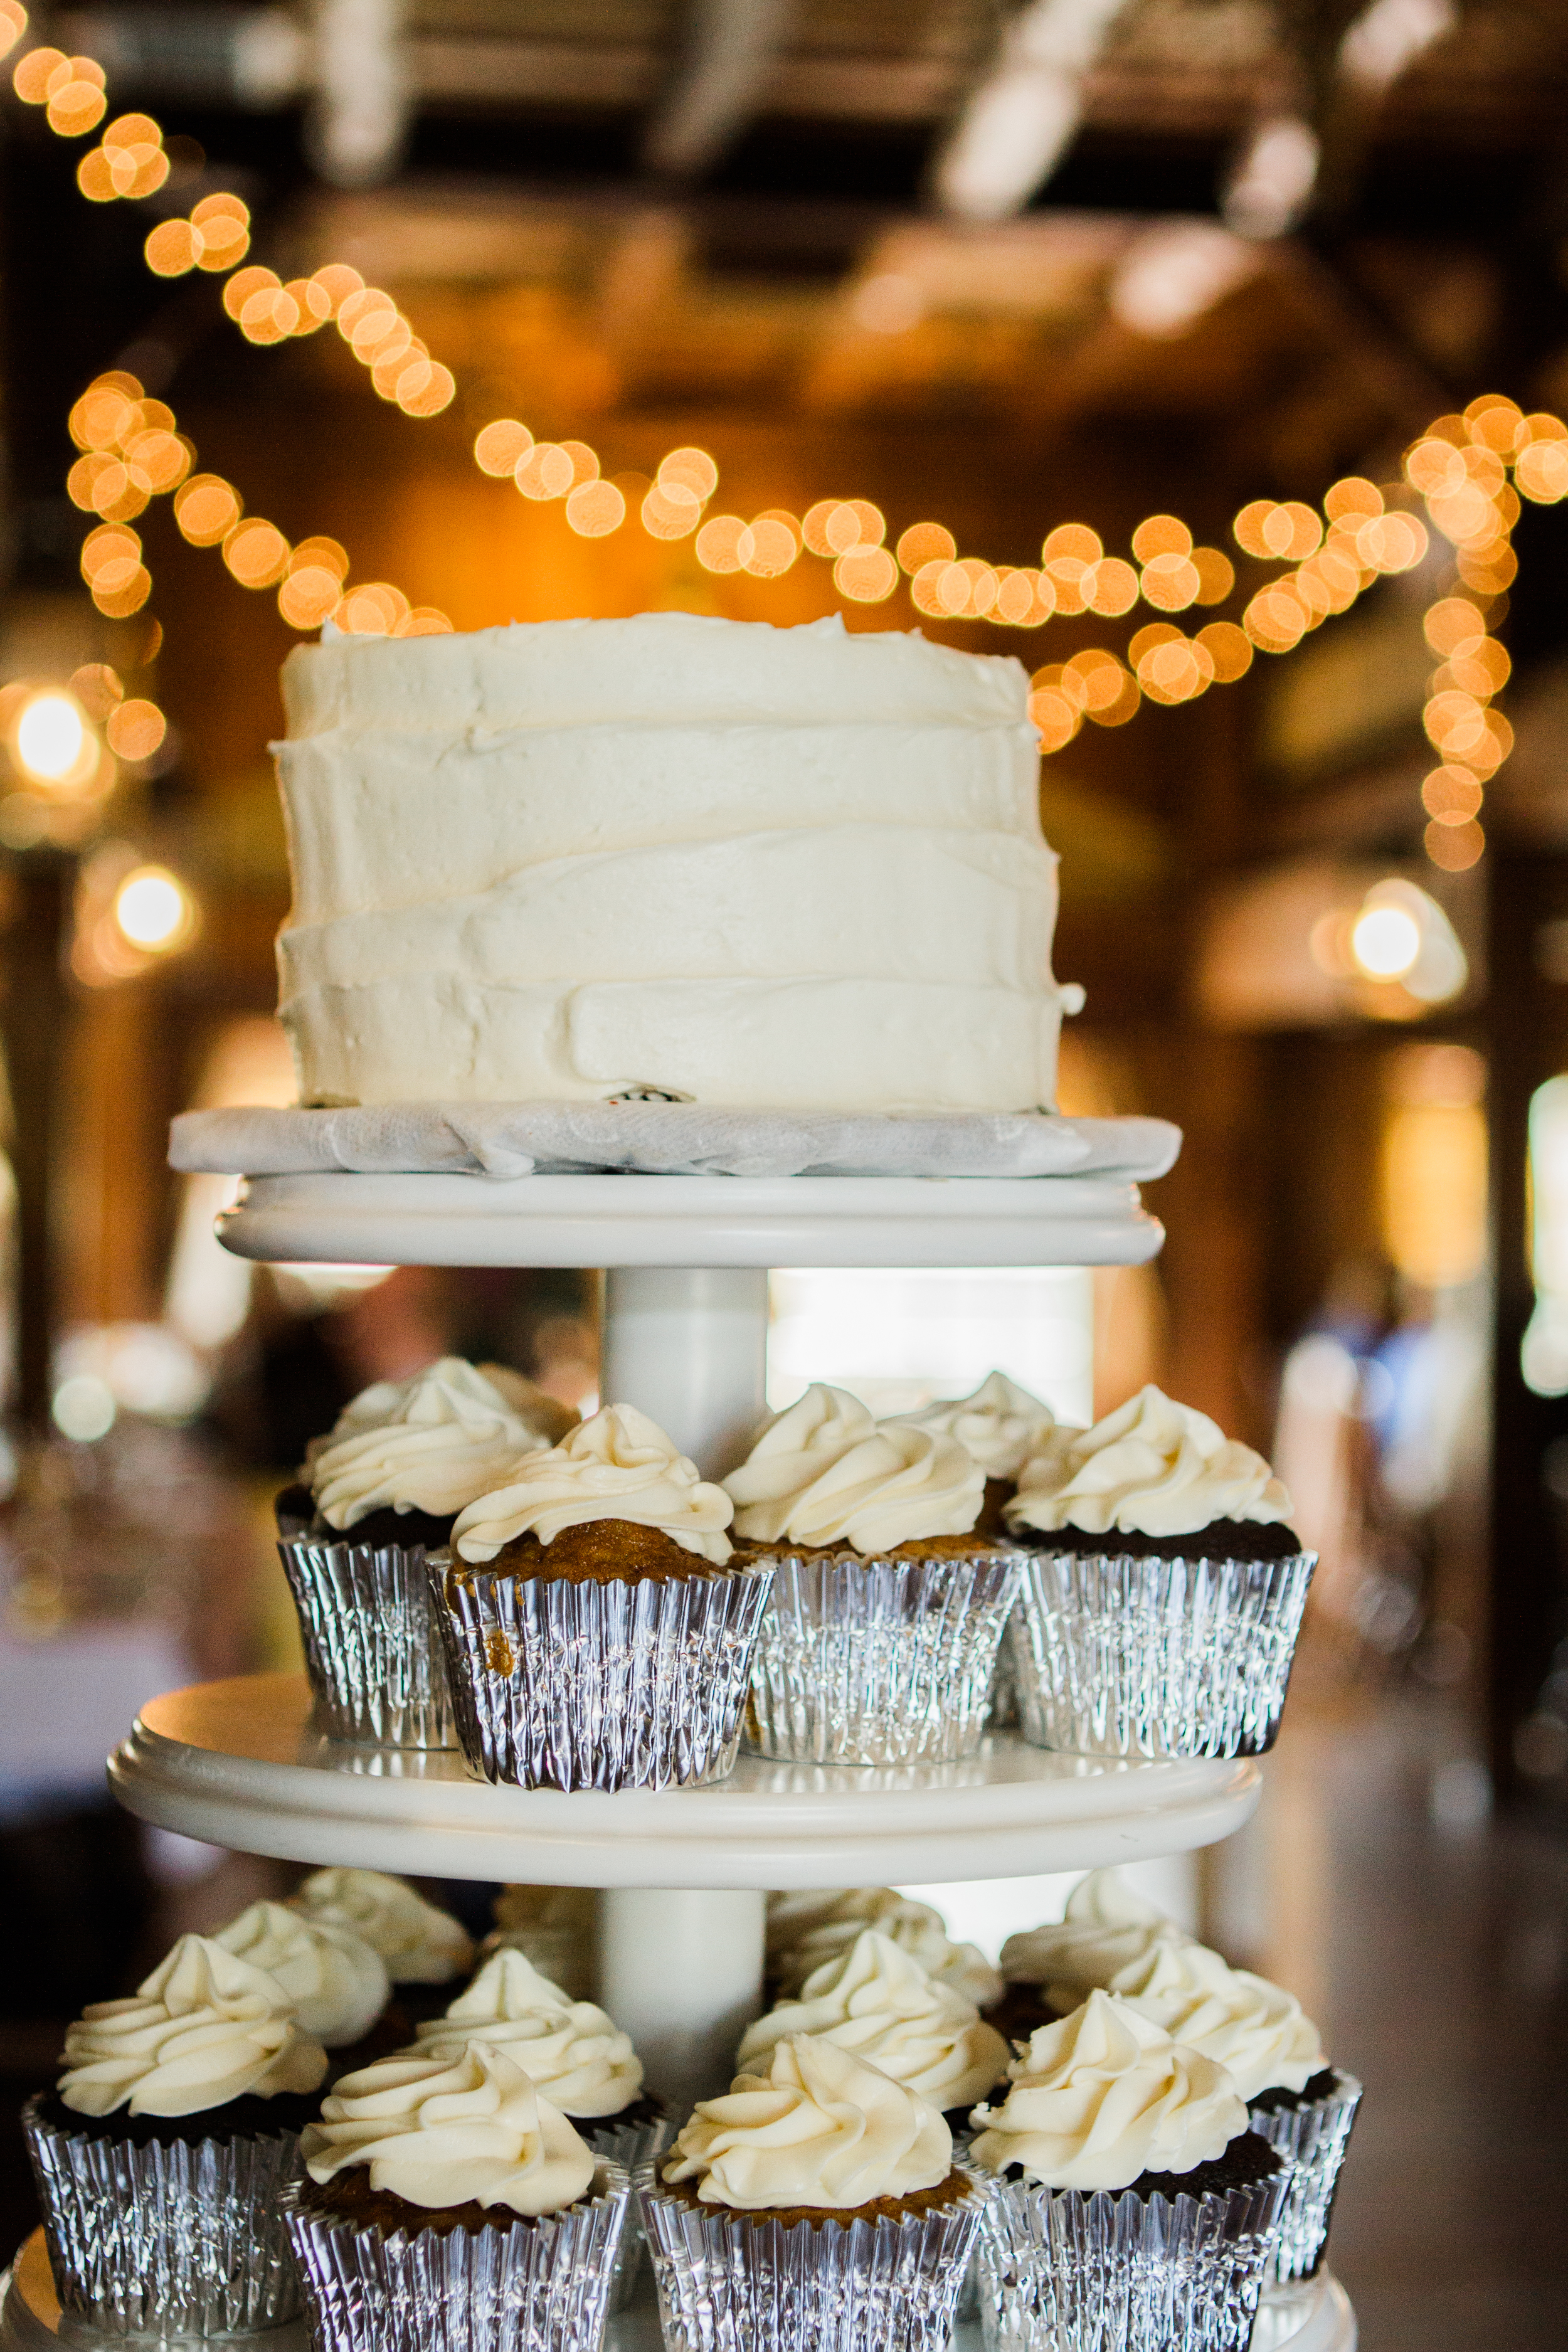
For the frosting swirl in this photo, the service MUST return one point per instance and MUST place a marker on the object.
(880, 2004)
(206, 2026)
(824, 1473)
(618, 1465)
(999, 1426)
(806, 1932)
(569, 2049)
(1257, 2031)
(820, 2128)
(1108, 1927)
(1105, 2096)
(1153, 1467)
(443, 2132)
(429, 1444)
(420, 1943)
(337, 1982)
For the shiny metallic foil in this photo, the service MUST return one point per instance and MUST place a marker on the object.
(1313, 2140)
(631, 2146)
(537, 2286)
(1118, 1656)
(740, 2283)
(372, 1649)
(878, 1661)
(1063, 2271)
(182, 2240)
(637, 1684)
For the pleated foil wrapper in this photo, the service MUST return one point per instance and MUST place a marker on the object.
(1119, 1656)
(1313, 2139)
(735, 2283)
(865, 1661)
(634, 1684)
(178, 2241)
(631, 2146)
(1061, 2270)
(373, 1650)
(535, 2286)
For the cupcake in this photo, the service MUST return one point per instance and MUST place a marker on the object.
(449, 2196)
(426, 1950)
(374, 1494)
(880, 2004)
(551, 1926)
(160, 2153)
(1000, 1426)
(816, 2203)
(1050, 1969)
(597, 1636)
(1131, 2206)
(805, 1931)
(1163, 1588)
(887, 1608)
(337, 1982)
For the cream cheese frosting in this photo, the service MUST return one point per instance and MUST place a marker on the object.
(429, 1444)
(1000, 1426)
(617, 1466)
(337, 1982)
(1153, 1467)
(1105, 2096)
(1257, 2031)
(419, 1943)
(879, 2002)
(570, 2049)
(442, 2132)
(818, 2127)
(825, 1474)
(792, 868)
(206, 2026)
(1109, 1926)
(807, 1932)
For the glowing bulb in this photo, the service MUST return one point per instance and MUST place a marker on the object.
(1385, 941)
(51, 738)
(151, 908)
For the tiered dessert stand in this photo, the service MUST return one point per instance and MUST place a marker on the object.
(685, 1330)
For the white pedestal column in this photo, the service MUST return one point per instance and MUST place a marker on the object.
(681, 1972)
(688, 1346)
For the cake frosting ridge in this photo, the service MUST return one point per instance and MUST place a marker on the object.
(791, 868)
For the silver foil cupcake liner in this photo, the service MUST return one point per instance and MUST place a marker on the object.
(1313, 2139)
(865, 1661)
(1061, 2270)
(534, 2286)
(373, 1651)
(633, 1684)
(742, 2283)
(1118, 1656)
(184, 2241)
(631, 2146)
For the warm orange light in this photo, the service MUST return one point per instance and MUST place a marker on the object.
(136, 729)
(1354, 498)
(674, 512)
(925, 542)
(770, 545)
(1455, 847)
(12, 25)
(97, 689)
(499, 448)
(207, 508)
(373, 610)
(256, 552)
(717, 543)
(1161, 534)
(689, 469)
(866, 574)
(1216, 575)
(1058, 719)
(596, 508)
(1171, 583)
(1074, 541)
(310, 595)
(172, 249)
(1109, 587)
(1451, 796)
(547, 472)
(1228, 649)
(1453, 626)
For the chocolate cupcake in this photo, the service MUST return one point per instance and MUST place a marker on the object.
(887, 1608)
(337, 1982)
(161, 2154)
(812, 2192)
(1163, 1589)
(598, 1633)
(452, 2187)
(999, 1426)
(426, 1951)
(1129, 2202)
(375, 1495)
(1050, 1969)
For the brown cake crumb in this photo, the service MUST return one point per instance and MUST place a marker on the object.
(600, 1552)
(965, 1547)
(349, 2197)
(951, 2191)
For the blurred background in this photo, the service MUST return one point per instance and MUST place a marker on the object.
(1209, 356)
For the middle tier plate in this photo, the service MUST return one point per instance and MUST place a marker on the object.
(238, 1764)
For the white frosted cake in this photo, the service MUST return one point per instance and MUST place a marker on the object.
(756, 867)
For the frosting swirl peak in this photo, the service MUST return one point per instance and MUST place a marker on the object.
(806, 1932)
(824, 1473)
(337, 1982)
(1257, 2031)
(999, 1426)
(206, 2026)
(1153, 1467)
(429, 1444)
(879, 2002)
(617, 1466)
(1108, 1927)
(420, 1943)
(820, 2128)
(569, 2049)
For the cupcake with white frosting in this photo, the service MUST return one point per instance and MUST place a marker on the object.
(804, 1931)
(598, 1630)
(814, 2184)
(1163, 1589)
(454, 2186)
(161, 2151)
(1000, 1426)
(337, 1982)
(1049, 1970)
(382, 1488)
(1131, 2204)
(425, 1949)
(551, 1926)
(887, 1606)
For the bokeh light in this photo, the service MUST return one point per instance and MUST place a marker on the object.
(153, 911)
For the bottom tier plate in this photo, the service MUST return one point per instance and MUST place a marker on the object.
(1318, 2318)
